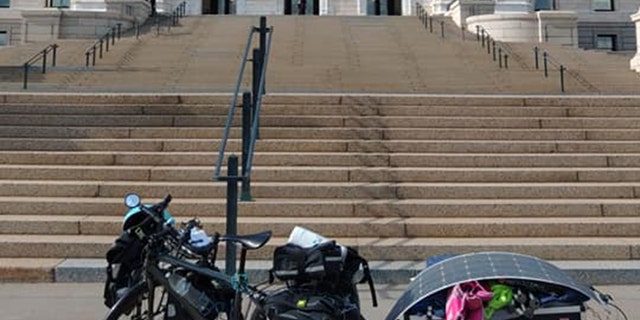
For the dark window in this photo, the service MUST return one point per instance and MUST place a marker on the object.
(544, 5)
(606, 42)
(603, 5)
(59, 3)
(5, 3)
(3, 38)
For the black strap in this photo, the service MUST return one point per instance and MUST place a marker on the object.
(107, 294)
(271, 276)
(369, 279)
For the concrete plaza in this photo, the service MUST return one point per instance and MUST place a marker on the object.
(83, 301)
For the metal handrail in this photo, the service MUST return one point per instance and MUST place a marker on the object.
(427, 20)
(109, 35)
(503, 51)
(256, 116)
(259, 59)
(546, 58)
(38, 56)
(258, 102)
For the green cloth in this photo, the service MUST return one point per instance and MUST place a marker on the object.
(502, 296)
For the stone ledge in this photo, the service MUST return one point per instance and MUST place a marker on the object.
(384, 272)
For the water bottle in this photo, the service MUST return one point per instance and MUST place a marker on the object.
(192, 295)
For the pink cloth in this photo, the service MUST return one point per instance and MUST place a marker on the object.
(466, 301)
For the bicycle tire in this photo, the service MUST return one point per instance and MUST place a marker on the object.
(123, 308)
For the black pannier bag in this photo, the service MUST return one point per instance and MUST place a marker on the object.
(321, 262)
(305, 304)
(329, 268)
(124, 258)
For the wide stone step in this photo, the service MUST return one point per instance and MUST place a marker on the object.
(333, 190)
(319, 121)
(374, 248)
(355, 99)
(307, 110)
(353, 159)
(216, 207)
(292, 145)
(320, 174)
(339, 133)
(207, 109)
(354, 227)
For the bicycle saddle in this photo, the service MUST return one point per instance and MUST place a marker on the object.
(249, 241)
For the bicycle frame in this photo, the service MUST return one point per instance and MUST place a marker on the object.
(157, 277)
(167, 254)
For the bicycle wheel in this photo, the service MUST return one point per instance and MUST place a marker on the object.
(134, 304)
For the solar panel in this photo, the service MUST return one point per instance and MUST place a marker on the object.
(436, 279)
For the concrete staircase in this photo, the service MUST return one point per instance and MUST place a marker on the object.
(321, 54)
(397, 172)
(400, 177)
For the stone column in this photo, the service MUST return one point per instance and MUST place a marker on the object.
(514, 6)
(635, 61)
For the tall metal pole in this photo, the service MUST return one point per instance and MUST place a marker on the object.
(247, 116)
(257, 72)
(232, 213)
(263, 48)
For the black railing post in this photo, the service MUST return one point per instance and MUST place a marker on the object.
(94, 55)
(535, 57)
(494, 50)
(500, 57)
(506, 58)
(478, 33)
(87, 54)
(257, 71)
(119, 30)
(113, 36)
(430, 24)
(263, 36)
(247, 116)
(54, 51)
(232, 213)
(24, 80)
(562, 78)
(482, 38)
(44, 61)
(442, 29)
(544, 60)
